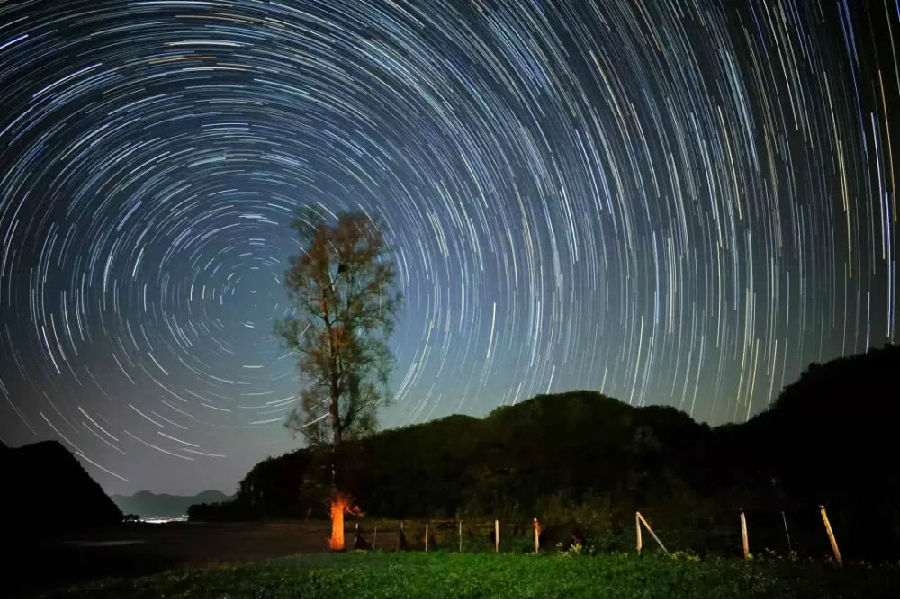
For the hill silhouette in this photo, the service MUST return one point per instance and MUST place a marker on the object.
(147, 504)
(827, 440)
(45, 488)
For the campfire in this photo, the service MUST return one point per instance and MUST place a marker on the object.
(339, 504)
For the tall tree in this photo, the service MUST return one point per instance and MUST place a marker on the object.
(342, 290)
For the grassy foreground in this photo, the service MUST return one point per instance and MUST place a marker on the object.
(443, 575)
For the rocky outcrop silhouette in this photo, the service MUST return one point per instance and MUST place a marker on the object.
(45, 489)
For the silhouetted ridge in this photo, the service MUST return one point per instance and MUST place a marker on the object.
(46, 488)
(147, 504)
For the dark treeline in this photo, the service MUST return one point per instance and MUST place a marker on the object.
(580, 456)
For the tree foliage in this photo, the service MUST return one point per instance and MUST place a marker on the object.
(342, 290)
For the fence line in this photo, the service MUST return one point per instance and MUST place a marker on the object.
(640, 523)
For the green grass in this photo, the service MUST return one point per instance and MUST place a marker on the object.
(443, 575)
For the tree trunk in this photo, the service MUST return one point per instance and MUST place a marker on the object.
(337, 438)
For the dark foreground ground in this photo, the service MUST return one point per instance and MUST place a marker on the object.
(487, 575)
(286, 559)
(39, 564)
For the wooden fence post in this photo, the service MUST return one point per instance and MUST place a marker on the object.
(537, 532)
(496, 536)
(426, 537)
(650, 530)
(637, 532)
(460, 536)
(834, 545)
(375, 539)
(745, 543)
(786, 535)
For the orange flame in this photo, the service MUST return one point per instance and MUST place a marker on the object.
(339, 504)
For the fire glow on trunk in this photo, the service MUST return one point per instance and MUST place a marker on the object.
(339, 504)
(336, 542)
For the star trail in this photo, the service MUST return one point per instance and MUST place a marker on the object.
(673, 202)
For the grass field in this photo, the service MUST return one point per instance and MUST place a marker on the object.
(473, 575)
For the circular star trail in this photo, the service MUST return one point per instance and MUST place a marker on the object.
(679, 203)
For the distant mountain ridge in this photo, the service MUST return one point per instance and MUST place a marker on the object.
(147, 504)
(45, 488)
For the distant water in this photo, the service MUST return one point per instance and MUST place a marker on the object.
(105, 543)
(163, 519)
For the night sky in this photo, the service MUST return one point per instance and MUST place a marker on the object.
(679, 203)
